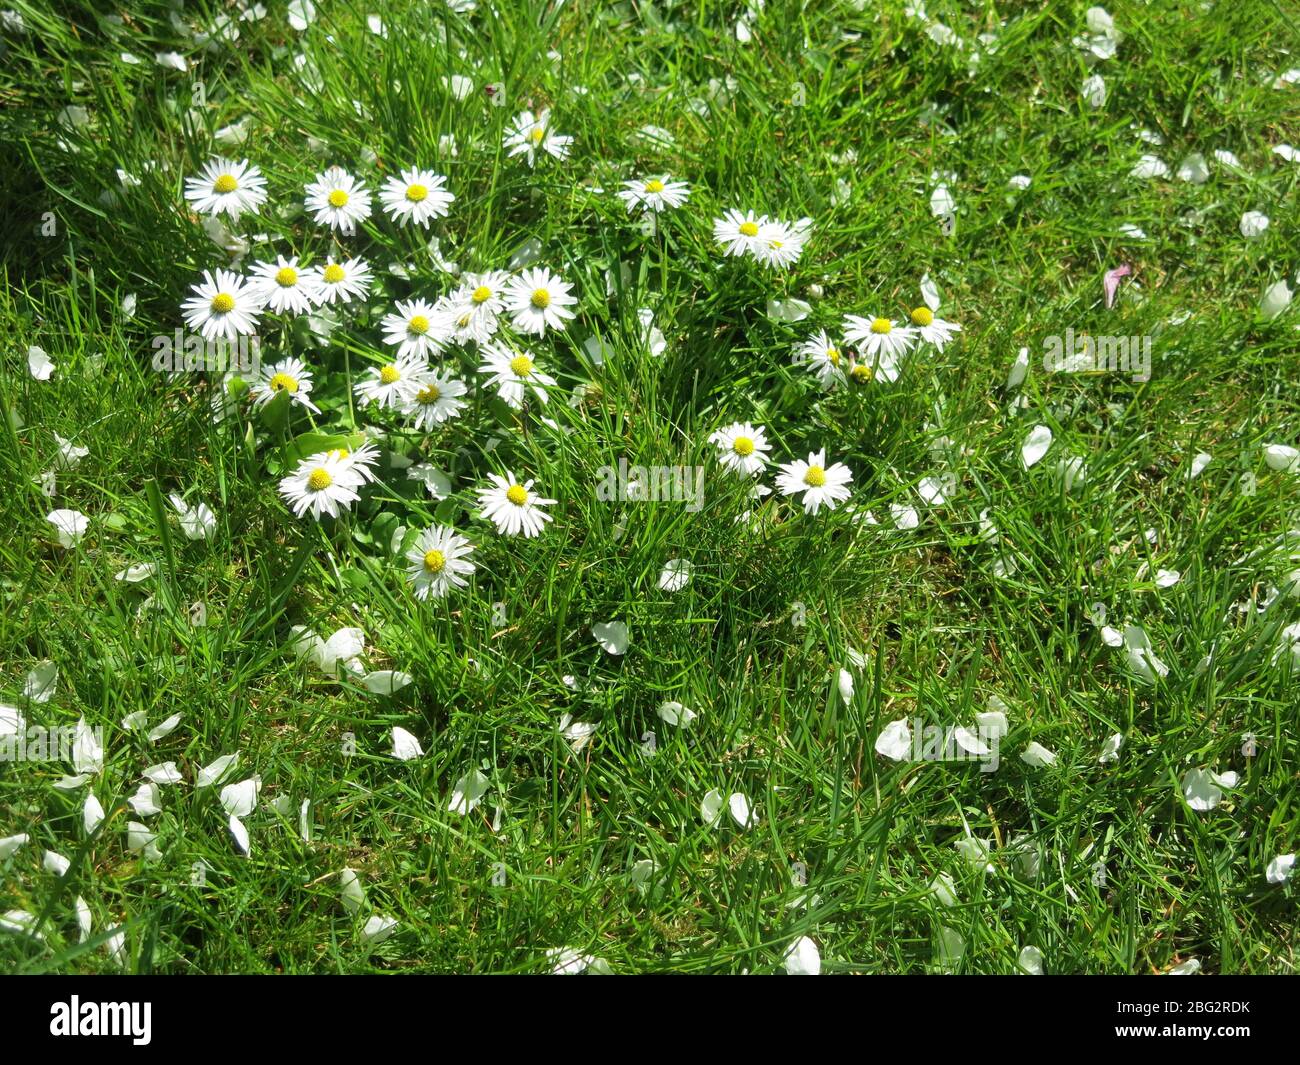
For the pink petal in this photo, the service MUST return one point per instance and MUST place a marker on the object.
(1111, 281)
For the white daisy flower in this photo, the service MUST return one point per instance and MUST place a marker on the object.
(342, 282)
(393, 384)
(512, 507)
(223, 307)
(933, 330)
(226, 187)
(288, 375)
(439, 562)
(415, 196)
(537, 299)
(818, 482)
(878, 339)
(284, 287)
(339, 200)
(437, 401)
(531, 135)
(742, 448)
(654, 194)
(824, 358)
(419, 329)
(780, 244)
(513, 373)
(475, 305)
(738, 232)
(322, 484)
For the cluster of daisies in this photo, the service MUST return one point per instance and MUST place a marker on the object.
(878, 346)
(494, 310)
(743, 449)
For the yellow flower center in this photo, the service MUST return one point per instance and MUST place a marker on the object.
(775, 245)
(750, 229)
(416, 193)
(541, 299)
(223, 303)
(654, 185)
(521, 366)
(517, 494)
(881, 325)
(286, 277)
(224, 184)
(338, 198)
(418, 324)
(319, 480)
(743, 446)
(537, 134)
(861, 373)
(834, 355)
(282, 382)
(389, 374)
(815, 477)
(481, 294)
(428, 394)
(334, 273)
(339, 453)
(434, 561)
(922, 316)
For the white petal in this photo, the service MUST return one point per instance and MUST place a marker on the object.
(803, 958)
(468, 792)
(239, 834)
(711, 808)
(386, 681)
(738, 804)
(1030, 961)
(405, 746)
(895, 740)
(1035, 445)
(351, 892)
(612, 636)
(216, 771)
(240, 800)
(1280, 868)
(1037, 755)
(41, 682)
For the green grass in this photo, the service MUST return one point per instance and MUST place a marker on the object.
(942, 619)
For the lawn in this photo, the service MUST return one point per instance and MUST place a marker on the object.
(704, 488)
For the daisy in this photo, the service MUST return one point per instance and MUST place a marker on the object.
(879, 337)
(825, 359)
(339, 200)
(532, 135)
(513, 507)
(739, 233)
(780, 244)
(742, 448)
(816, 481)
(654, 194)
(537, 299)
(438, 562)
(474, 307)
(224, 306)
(438, 400)
(288, 375)
(933, 330)
(322, 484)
(342, 282)
(225, 186)
(283, 287)
(418, 328)
(512, 374)
(393, 384)
(416, 196)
